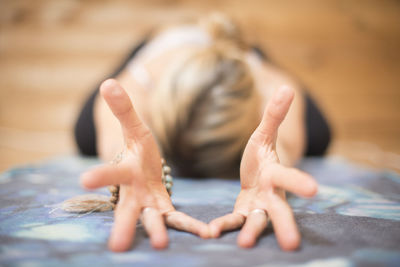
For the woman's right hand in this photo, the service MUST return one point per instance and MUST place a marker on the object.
(142, 193)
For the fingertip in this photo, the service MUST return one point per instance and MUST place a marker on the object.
(109, 83)
(110, 88)
(245, 240)
(284, 93)
(205, 232)
(312, 187)
(287, 90)
(214, 230)
(120, 239)
(160, 242)
(86, 181)
(114, 248)
(291, 242)
(116, 245)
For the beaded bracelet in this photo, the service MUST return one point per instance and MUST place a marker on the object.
(166, 179)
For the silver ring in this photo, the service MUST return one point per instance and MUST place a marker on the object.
(259, 211)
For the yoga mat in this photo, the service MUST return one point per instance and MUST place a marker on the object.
(353, 221)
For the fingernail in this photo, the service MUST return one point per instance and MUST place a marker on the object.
(283, 91)
(111, 87)
(109, 83)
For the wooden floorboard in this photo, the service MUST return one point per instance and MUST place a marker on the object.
(346, 53)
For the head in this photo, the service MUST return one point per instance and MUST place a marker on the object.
(204, 108)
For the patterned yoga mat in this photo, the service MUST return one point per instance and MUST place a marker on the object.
(353, 221)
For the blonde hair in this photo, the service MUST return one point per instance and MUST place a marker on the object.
(203, 109)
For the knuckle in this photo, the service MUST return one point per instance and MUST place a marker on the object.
(143, 132)
(139, 131)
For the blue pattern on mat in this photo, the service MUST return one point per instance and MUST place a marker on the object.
(354, 220)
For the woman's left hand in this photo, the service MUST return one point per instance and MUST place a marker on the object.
(263, 181)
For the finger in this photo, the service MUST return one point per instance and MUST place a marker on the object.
(292, 180)
(183, 222)
(121, 106)
(105, 175)
(154, 225)
(255, 224)
(123, 232)
(226, 223)
(274, 113)
(284, 224)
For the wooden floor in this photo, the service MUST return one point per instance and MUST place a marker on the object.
(52, 53)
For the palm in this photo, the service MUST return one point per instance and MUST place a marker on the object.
(263, 181)
(142, 193)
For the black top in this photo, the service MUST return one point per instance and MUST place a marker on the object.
(318, 133)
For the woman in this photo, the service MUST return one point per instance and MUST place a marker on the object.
(211, 105)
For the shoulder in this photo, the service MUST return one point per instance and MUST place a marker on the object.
(267, 76)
